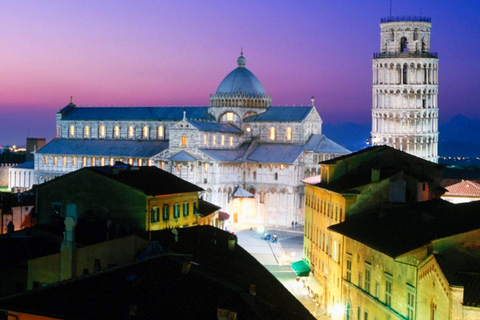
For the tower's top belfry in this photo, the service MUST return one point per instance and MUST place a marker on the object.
(405, 36)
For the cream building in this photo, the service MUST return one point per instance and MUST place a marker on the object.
(248, 155)
(405, 88)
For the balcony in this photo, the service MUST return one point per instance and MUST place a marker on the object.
(378, 55)
(405, 18)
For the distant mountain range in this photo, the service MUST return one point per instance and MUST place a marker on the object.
(460, 137)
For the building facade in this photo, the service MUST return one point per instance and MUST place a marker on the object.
(405, 88)
(239, 141)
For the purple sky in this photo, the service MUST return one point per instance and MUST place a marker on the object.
(177, 52)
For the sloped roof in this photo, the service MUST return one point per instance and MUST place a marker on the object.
(152, 181)
(182, 156)
(276, 153)
(464, 188)
(319, 143)
(101, 147)
(282, 114)
(134, 113)
(25, 165)
(215, 126)
(206, 208)
(218, 278)
(226, 154)
(385, 229)
(241, 193)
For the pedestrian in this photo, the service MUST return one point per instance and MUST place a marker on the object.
(274, 238)
(292, 225)
(295, 224)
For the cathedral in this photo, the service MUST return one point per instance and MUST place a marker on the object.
(248, 155)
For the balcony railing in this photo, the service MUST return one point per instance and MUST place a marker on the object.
(405, 18)
(377, 55)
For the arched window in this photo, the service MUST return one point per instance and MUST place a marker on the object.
(205, 139)
(272, 133)
(116, 131)
(160, 132)
(214, 142)
(222, 140)
(230, 116)
(403, 45)
(86, 131)
(72, 130)
(101, 131)
(231, 141)
(289, 133)
(184, 141)
(145, 131)
(131, 131)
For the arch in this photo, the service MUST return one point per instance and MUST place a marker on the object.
(403, 44)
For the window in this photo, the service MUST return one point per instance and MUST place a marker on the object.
(45, 160)
(195, 208)
(176, 211)
(229, 116)
(149, 162)
(130, 161)
(272, 133)
(57, 208)
(54, 160)
(365, 314)
(116, 131)
(410, 303)
(222, 141)
(101, 131)
(368, 273)
(58, 132)
(131, 131)
(388, 290)
(377, 289)
(349, 270)
(166, 212)
(204, 139)
(84, 161)
(231, 141)
(360, 280)
(276, 176)
(335, 250)
(160, 132)
(289, 133)
(64, 160)
(185, 209)
(93, 161)
(155, 214)
(145, 131)
(205, 167)
(102, 161)
(359, 313)
(86, 131)
(112, 161)
(184, 141)
(74, 161)
(139, 162)
(262, 196)
(72, 130)
(214, 142)
(248, 129)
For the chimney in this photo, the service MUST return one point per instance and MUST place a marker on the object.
(67, 250)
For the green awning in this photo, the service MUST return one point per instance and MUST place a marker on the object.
(301, 268)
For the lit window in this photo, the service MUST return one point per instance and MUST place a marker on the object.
(74, 161)
(204, 139)
(229, 116)
(145, 131)
(248, 129)
(231, 141)
(161, 165)
(64, 161)
(116, 131)
(272, 133)
(102, 161)
(410, 304)
(349, 270)
(93, 161)
(102, 131)
(54, 161)
(139, 162)
(131, 131)
(112, 161)
(185, 209)
(205, 167)
(214, 140)
(130, 161)
(160, 131)
(222, 140)
(72, 130)
(87, 131)
(281, 167)
(149, 162)
(178, 167)
(184, 141)
(44, 160)
(58, 132)
(84, 161)
(155, 214)
(289, 133)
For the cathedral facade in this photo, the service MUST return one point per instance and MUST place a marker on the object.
(247, 155)
(405, 88)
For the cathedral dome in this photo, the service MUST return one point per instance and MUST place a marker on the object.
(241, 81)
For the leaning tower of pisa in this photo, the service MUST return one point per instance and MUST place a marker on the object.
(405, 88)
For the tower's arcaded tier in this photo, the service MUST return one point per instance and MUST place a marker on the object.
(405, 88)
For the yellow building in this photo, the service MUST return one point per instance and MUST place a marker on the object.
(399, 262)
(349, 185)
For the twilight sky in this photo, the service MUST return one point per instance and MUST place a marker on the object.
(177, 53)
